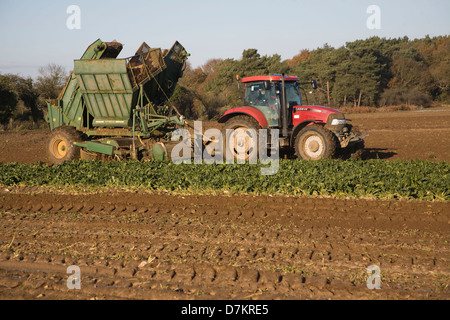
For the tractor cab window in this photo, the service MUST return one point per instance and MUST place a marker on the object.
(264, 100)
(293, 97)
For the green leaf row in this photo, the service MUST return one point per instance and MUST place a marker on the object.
(375, 179)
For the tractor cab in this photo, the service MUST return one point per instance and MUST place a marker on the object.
(265, 94)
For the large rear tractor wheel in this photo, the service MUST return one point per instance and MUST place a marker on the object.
(60, 146)
(315, 142)
(241, 138)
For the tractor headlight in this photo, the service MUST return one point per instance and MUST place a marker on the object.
(337, 122)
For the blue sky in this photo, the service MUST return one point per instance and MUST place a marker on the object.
(34, 33)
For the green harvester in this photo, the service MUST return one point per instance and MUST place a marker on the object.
(114, 109)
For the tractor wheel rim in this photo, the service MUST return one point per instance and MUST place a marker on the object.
(314, 147)
(242, 140)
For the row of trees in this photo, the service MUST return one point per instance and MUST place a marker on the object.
(372, 72)
(24, 100)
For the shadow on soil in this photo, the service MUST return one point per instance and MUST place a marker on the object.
(367, 154)
(377, 153)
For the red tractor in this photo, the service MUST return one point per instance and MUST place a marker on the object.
(275, 102)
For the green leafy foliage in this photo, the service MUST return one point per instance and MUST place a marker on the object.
(358, 179)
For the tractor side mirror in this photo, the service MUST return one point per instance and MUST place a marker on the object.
(314, 84)
(267, 85)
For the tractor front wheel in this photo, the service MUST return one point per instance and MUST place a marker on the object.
(315, 142)
(61, 147)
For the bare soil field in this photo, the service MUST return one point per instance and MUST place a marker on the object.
(407, 135)
(158, 246)
(147, 246)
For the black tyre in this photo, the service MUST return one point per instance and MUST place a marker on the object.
(240, 136)
(315, 142)
(60, 145)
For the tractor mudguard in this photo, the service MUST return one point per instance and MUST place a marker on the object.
(249, 111)
(299, 127)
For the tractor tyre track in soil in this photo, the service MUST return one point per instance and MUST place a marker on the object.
(149, 246)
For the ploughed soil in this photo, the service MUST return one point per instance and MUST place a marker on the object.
(148, 246)
(159, 246)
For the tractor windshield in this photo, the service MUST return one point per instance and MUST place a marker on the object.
(266, 101)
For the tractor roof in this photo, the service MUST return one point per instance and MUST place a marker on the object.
(274, 77)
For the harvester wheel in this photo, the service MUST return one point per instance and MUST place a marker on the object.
(60, 145)
(315, 142)
(241, 138)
